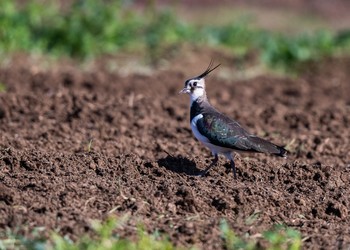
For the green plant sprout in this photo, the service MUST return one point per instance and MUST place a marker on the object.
(2, 87)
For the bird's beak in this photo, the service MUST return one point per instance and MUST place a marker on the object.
(185, 91)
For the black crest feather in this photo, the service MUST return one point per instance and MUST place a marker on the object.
(208, 70)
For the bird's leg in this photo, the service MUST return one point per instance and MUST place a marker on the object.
(212, 164)
(230, 156)
(233, 168)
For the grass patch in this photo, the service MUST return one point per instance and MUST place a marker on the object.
(104, 237)
(91, 28)
(280, 51)
(279, 237)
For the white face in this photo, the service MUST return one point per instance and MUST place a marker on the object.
(195, 88)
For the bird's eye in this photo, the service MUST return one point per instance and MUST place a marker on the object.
(194, 84)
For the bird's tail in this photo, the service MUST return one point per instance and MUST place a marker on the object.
(263, 146)
(283, 152)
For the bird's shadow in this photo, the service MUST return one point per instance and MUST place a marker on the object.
(179, 164)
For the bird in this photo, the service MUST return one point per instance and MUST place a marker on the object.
(221, 134)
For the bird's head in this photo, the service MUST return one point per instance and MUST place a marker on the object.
(195, 87)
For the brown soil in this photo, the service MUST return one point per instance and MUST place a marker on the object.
(143, 156)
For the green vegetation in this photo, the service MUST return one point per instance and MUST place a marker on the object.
(103, 239)
(88, 28)
(279, 237)
(2, 87)
(282, 51)
(91, 28)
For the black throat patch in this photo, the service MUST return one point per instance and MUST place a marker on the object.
(196, 108)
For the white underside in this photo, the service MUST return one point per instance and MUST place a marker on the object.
(213, 148)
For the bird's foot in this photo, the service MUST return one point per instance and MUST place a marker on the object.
(213, 163)
(202, 173)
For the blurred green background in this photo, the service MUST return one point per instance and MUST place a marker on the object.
(88, 29)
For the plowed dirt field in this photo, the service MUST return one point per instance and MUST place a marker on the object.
(78, 145)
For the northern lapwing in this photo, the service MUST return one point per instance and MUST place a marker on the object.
(217, 131)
